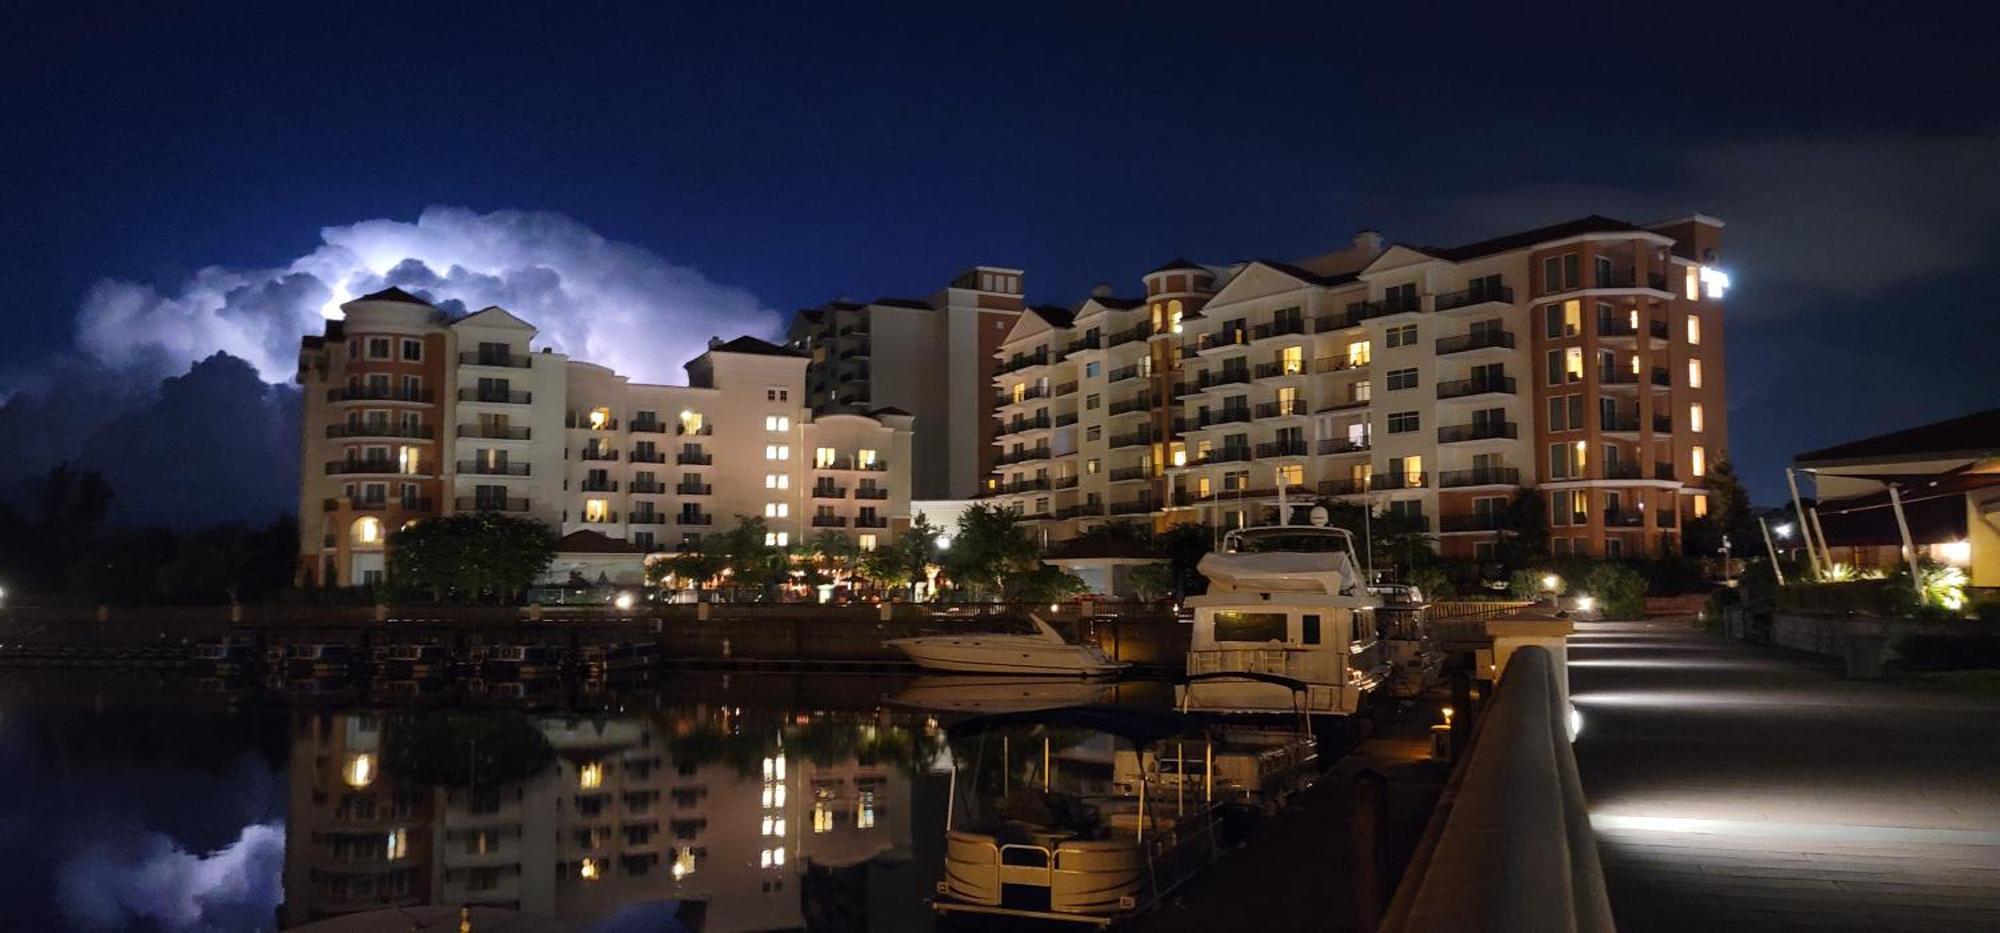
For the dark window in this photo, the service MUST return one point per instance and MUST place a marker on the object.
(1309, 633)
(1231, 625)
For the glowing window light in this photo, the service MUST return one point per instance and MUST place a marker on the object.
(1714, 280)
(764, 859)
(590, 776)
(778, 856)
(398, 844)
(600, 418)
(360, 770)
(588, 869)
(1956, 552)
(822, 818)
(367, 530)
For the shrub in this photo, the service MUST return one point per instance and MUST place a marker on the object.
(1619, 590)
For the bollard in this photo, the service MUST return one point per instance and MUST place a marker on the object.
(725, 648)
(886, 611)
(701, 611)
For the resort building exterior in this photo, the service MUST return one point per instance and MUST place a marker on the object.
(931, 357)
(409, 414)
(1583, 360)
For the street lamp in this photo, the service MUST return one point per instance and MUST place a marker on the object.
(1783, 530)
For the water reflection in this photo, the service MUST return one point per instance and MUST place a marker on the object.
(726, 817)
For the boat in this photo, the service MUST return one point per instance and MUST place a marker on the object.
(1034, 830)
(1284, 600)
(1044, 652)
(1260, 764)
(503, 663)
(413, 662)
(1414, 659)
(1001, 693)
(320, 660)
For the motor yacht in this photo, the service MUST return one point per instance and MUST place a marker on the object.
(1285, 600)
(1042, 652)
(1414, 658)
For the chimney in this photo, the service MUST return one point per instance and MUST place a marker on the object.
(714, 342)
(1101, 290)
(1368, 241)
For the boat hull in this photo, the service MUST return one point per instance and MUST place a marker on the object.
(972, 655)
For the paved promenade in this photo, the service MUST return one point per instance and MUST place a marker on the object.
(1739, 788)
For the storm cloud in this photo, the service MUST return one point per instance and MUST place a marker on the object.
(152, 881)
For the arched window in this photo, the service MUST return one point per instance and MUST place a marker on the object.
(367, 531)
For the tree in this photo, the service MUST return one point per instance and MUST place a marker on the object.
(1729, 513)
(464, 749)
(472, 557)
(751, 558)
(1385, 540)
(990, 546)
(1524, 530)
(1184, 546)
(1044, 583)
(832, 554)
(1151, 581)
(692, 565)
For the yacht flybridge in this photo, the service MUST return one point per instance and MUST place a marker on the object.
(1285, 600)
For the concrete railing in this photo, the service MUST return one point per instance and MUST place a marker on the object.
(1509, 847)
(1465, 620)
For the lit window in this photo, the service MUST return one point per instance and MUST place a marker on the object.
(822, 818)
(690, 422)
(1357, 353)
(1698, 461)
(1693, 283)
(1700, 506)
(1174, 315)
(865, 458)
(1092, 465)
(1292, 360)
(1573, 364)
(1179, 455)
(1581, 458)
(590, 775)
(824, 456)
(777, 539)
(596, 510)
(1694, 417)
(777, 510)
(1694, 374)
(1694, 329)
(360, 770)
(398, 844)
(778, 856)
(367, 530)
(764, 859)
(777, 481)
(777, 423)
(1020, 391)
(683, 863)
(409, 461)
(1292, 475)
(600, 418)
(864, 815)
(587, 869)
(867, 542)
(777, 452)
(1201, 487)
(1635, 365)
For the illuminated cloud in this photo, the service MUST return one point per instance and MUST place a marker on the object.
(157, 884)
(597, 299)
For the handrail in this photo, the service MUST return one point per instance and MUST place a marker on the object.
(1509, 847)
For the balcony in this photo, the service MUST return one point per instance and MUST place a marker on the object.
(1227, 337)
(648, 487)
(871, 521)
(1006, 458)
(602, 518)
(1272, 449)
(597, 485)
(640, 455)
(1472, 296)
(702, 431)
(489, 504)
(1663, 424)
(828, 491)
(1225, 454)
(1134, 507)
(381, 429)
(1228, 415)
(685, 488)
(483, 468)
(1342, 445)
(646, 518)
(694, 518)
(1461, 388)
(1022, 361)
(498, 360)
(1281, 409)
(1465, 343)
(495, 396)
(829, 521)
(1065, 388)
(1226, 376)
(1661, 377)
(377, 505)
(378, 394)
(1080, 344)
(690, 458)
(1364, 310)
(1624, 518)
(1065, 420)
(352, 467)
(493, 432)
(1278, 329)
(574, 420)
(1479, 476)
(1028, 393)
(1140, 402)
(1037, 484)
(599, 454)
(866, 492)
(1275, 370)
(1619, 470)
(1066, 482)
(1663, 470)
(1335, 321)
(1092, 509)
(1623, 327)
(1137, 332)
(1342, 487)
(1381, 481)
(1478, 431)
(1489, 521)
(1345, 405)
(647, 426)
(1628, 278)
(1133, 439)
(1127, 474)
(1018, 425)
(1335, 364)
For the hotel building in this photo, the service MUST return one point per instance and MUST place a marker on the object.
(932, 357)
(1583, 360)
(409, 414)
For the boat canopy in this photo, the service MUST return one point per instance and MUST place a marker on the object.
(1329, 572)
(1141, 727)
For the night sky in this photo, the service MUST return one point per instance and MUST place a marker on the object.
(778, 158)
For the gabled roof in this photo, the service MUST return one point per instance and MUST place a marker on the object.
(1592, 224)
(593, 542)
(1307, 275)
(754, 347)
(494, 316)
(1056, 316)
(892, 410)
(1973, 435)
(1180, 263)
(393, 293)
(1119, 304)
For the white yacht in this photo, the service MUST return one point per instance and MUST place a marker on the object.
(1043, 652)
(1285, 600)
(1414, 657)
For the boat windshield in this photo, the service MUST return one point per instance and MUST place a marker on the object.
(1297, 538)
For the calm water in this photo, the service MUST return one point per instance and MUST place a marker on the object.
(697, 801)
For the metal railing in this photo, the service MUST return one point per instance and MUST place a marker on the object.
(494, 396)
(1475, 341)
(1278, 409)
(1271, 449)
(1480, 476)
(867, 493)
(378, 394)
(1341, 445)
(1278, 329)
(648, 487)
(1139, 402)
(507, 360)
(1460, 388)
(1404, 480)
(1342, 487)
(1123, 474)
(483, 468)
(490, 504)
(413, 432)
(493, 432)
(1130, 440)
(1478, 431)
(829, 521)
(687, 458)
(647, 456)
(693, 489)
(597, 454)
(597, 485)
(829, 491)
(1472, 296)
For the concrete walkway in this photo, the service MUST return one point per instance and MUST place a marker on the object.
(1736, 787)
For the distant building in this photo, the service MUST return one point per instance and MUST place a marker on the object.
(1947, 474)
(932, 358)
(410, 414)
(1583, 360)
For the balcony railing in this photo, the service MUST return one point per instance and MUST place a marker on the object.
(647, 426)
(1274, 370)
(648, 487)
(574, 420)
(1278, 329)
(1130, 440)
(1136, 332)
(507, 360)
(1089, 342)
(1123, 474)
(1226, 415)
(597, 485)
(1222, 377)
(1080, 510)
(1479, 476)
(1478, 341)
(1282, 408)
(490, 504)
(1134, 507)
(1341, 445)
(597, 453)
(1018, 425)
(1477, 431)
(1334, 364)
(1037, 484)
(1622, 470)
(493, 432)
(1139, 402)
(408, 431)
(829, 492)
(693, 489)
(1624, 518)
(1663, 424)
(1661, 377)
(1022, 361)
(495, 396)
(1006, 458)
(347, 467)
(1281, 449)
(1472, 296)
(829, 521)
(377, 394)
(1066, 482)
(1663, 470)
(378, 505)
(686, 431)
(648, 456)
(694, 518)
(689, 458)
(1460, 388)
(1027, 394)
(646, 518)
(602, 518)
(1627, 278)
(1065, 420)
(1489, 521)
(1405, 480)
(483, 468)
(871, 521)
(1342, 487)
(1224, 454)
(865, 492)
(1334, 321)
(1363, 310)
(1065, 388)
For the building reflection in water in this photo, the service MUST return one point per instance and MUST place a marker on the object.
(747, 825)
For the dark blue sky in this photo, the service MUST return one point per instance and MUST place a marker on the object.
(812, 151)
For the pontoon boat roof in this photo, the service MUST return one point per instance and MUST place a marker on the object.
(1329, 572)
(1138, 726)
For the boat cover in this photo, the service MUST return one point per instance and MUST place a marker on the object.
(1329, 572)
